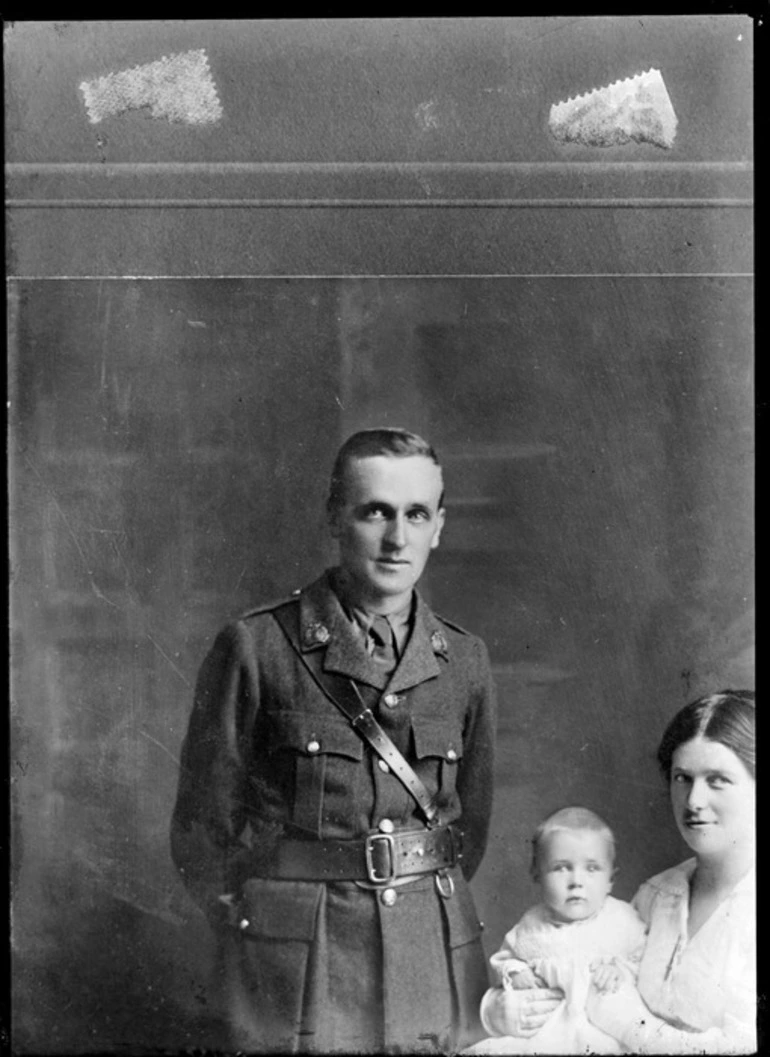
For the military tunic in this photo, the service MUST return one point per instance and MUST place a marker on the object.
(335, 966)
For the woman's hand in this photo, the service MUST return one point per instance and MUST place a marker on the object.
(518, 1013)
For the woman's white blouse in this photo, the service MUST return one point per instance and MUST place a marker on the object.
(709, 980)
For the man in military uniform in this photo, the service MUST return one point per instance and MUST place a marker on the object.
(336, 787)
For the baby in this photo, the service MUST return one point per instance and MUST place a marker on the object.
(578, 931)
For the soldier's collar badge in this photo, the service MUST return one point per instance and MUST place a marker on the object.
(316, 634)
(439, 643)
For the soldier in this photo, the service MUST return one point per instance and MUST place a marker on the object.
(336, 787)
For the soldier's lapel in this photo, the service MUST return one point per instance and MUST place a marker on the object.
(345, 655)
(323, 625)
(423, 654)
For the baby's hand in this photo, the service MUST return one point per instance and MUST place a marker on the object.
(607, 976)
(523, 980)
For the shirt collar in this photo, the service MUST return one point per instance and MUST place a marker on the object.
(360, 613)
(324, 624)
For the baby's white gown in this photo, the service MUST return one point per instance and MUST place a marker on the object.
(562, 954)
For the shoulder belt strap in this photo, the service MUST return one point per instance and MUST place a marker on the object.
(348, 700)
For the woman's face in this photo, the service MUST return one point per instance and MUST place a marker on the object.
(713, 797)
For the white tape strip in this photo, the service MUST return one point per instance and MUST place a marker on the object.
(176, 87)
(637, 108)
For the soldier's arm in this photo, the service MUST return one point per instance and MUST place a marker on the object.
(210, 811)
(475, 780)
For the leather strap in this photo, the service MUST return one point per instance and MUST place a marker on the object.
(347, 698)
(380, 858)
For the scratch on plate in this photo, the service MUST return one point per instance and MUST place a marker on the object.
(241, 576)
(160, 745)
(166, 656)
(70, 530)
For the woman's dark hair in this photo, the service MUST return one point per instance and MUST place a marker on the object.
(399, 443)
(727, 717)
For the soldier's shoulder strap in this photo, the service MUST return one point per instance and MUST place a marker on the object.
(451, 624)
(270, 607)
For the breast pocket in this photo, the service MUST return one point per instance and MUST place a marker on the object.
(438, 741)
(312, 745)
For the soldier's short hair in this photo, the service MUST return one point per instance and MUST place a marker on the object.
(574, 819)
(398, 443)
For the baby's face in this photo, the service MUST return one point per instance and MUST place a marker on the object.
(575, 873)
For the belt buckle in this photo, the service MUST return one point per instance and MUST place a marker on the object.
(371, 869)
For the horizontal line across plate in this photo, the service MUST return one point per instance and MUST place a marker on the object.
(374, 185)
(379, 203)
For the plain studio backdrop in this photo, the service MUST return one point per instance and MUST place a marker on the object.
(370, 225)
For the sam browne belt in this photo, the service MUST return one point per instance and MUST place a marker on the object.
(380, 858)
(347, 698)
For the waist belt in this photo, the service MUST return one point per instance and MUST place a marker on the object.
(380, 859)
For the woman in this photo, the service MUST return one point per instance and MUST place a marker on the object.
(696, 988)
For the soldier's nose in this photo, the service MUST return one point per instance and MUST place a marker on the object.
(396, 536)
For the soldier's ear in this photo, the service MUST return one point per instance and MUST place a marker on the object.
(440, 518)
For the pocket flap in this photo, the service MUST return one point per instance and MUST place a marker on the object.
(436, 736)
(282, 910)
(311, 733)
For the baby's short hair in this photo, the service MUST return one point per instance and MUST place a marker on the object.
(570, 818)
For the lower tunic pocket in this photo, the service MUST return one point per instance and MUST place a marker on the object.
(268, 963)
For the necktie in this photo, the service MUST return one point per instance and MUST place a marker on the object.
(383, 646)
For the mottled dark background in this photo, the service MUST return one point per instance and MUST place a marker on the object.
(380, 230)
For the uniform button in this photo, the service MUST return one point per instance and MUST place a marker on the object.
(383, 766)
(451, 754)
(391, 700)
(244, 923)
(386, 826)
(314, 746)
(389, 897)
